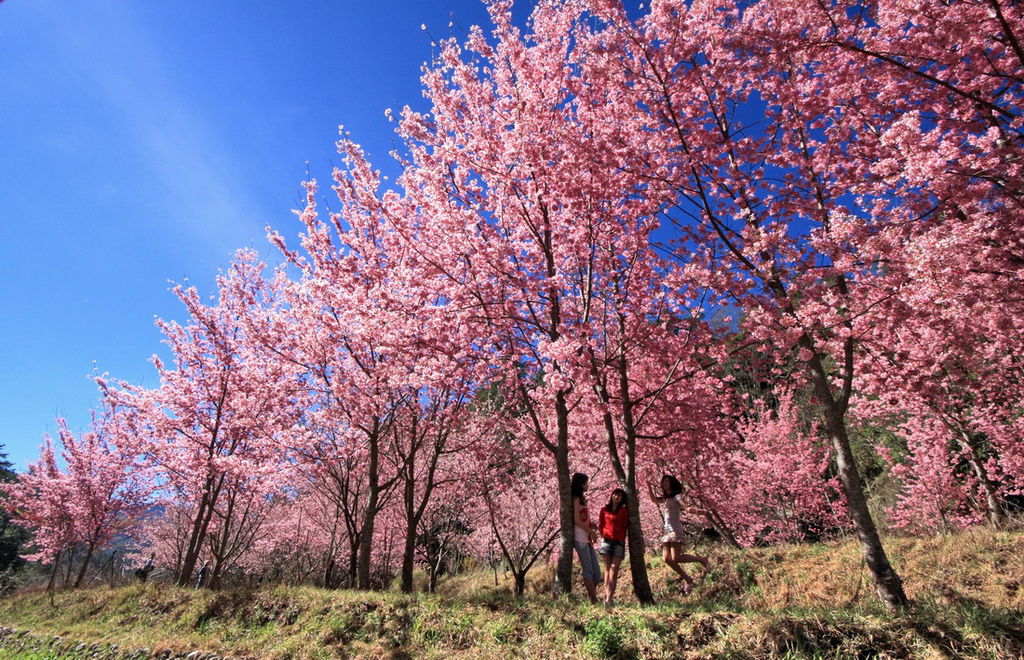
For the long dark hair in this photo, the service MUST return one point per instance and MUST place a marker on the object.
(624, 502)
(576, 486)
(673, 484)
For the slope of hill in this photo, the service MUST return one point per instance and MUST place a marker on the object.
(793, 602)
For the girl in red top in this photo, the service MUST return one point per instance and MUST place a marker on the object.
(613, 522)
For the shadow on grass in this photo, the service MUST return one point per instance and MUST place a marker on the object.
(957, 625)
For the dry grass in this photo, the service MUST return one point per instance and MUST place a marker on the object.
(792, 601)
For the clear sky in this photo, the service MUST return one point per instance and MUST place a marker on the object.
(142, 142)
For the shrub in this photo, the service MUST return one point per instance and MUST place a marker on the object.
(604, 639)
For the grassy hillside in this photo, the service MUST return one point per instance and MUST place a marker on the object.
(796, 601)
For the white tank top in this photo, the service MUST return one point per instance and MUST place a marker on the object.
(670, 511)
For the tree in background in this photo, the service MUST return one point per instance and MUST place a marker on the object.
(12, 537)
(212, 434)
(74, 513)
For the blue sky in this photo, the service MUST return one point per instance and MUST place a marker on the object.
(143, 142)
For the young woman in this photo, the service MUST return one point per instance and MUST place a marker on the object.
(613, 521)
(671, 503)
(585, 535)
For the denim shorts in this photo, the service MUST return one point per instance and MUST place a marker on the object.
(613, 548)
(588, 560)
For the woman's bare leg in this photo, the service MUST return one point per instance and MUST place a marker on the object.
(670, 553)
(607, 575)
(611, 577)
(695, 559)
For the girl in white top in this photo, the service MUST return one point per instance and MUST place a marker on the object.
(670, 501)
(585, 535)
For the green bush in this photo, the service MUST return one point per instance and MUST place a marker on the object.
(604, 639)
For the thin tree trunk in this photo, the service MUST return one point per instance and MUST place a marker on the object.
(567, 522)
(719, 526)
(369, 513)
(627, 479)
(355, 543)
(409, 495)
(408, 555)
(887, 581)
(432, 586)
(329, 571)
(563, 572)
(85, 565)
(199, 527)
(53, 573)
(994, 509)
(71, 563)
(626, 475)
(209, 498)
(192, 554)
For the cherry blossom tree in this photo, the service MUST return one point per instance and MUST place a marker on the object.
(508, 210)
(214, 429)
(793, 180)
(37, 501)
(782, 478)
(521, 519)
(933, 498)
(391, 387)
(947, 350)
(582, 198)
(100, 494)
(12, 537)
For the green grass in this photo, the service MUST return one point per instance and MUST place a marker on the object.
(789, 602)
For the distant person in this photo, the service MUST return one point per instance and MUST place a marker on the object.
(671, 503)
(613, 521)
(201, 575)
(143, 572)
(585, 535)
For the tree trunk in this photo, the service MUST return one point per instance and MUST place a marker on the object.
(199, 527)
(409, 496)
(563, 571)
(85, 565)
(329, 571)
(355, 542)
(719, 526)
(366, 542)
(520, 578)
(369, 514)
(994, 509)
(53, 573)
(111, 574)
(407, 556)
(626, 473)
(887, 582)
(635, 542)
(637, 562)
(71, 564)
(432, 587)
